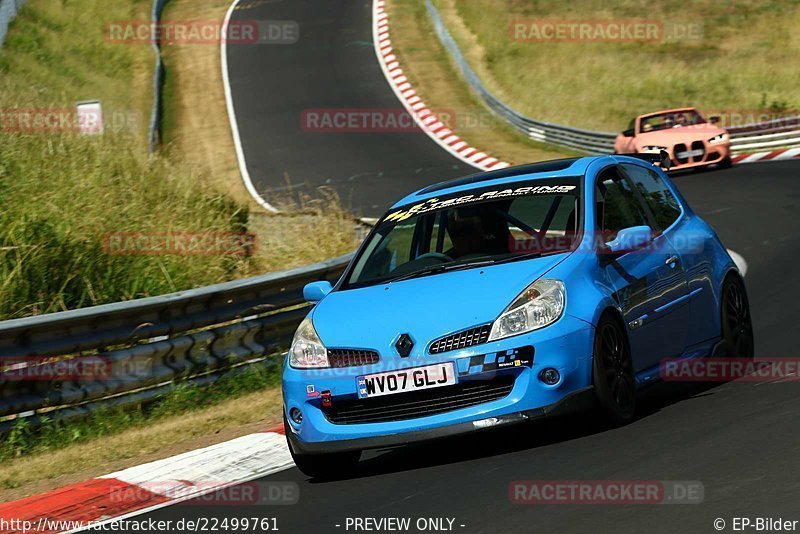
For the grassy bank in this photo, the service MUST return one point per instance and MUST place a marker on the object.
(63, 195)
(428, 67)
(741, 61)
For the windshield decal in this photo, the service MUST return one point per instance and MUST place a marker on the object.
(433, 204)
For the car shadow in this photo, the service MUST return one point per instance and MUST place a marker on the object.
(519, 437)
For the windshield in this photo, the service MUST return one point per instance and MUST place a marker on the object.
(460, 231)
(673, 119)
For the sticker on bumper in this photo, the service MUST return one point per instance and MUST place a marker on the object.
(496, 361)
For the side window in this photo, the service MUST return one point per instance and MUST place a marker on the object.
(617, 205)
(662, 202)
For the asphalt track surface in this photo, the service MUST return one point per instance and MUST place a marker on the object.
(332, 67)
(739, 439)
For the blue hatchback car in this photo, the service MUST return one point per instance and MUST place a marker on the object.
(508, 296)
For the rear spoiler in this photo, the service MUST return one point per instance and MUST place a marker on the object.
(661, 159)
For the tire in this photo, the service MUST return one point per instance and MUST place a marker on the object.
(612, 370)
(737, 325)
(725, 163)
(324, 466)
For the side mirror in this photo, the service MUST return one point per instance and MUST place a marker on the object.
(316, 291)
(628, 133)
(714, 119)
(628, 240)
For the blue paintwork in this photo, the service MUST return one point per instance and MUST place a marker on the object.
(677, 303)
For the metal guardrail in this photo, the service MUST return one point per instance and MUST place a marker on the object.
(761, 137)
(8, 11)
(587, 141)
(138, 349)
(749, 137)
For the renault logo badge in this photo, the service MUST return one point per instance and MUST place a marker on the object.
(404, 345)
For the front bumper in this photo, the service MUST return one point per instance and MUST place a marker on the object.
(566, 346)
(698, 154)
(579, 400)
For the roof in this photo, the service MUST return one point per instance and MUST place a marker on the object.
(531, 171)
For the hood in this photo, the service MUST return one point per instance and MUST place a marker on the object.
(672, 136)
(425, 308)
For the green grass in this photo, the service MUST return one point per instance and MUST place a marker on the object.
(62, 195)
(56, 53)
(182, 399)
(743, 62)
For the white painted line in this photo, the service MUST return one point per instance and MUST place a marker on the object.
(226, 464)
(237, 140)
(752, 158)
(231, 462)
(788, 154)
(739, 260)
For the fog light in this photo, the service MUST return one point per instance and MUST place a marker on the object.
(549, 376)
(296, 415)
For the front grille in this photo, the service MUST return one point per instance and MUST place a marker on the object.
(352, 357)
(419, 403)
(677, 149)
(466, 338)
(698, 145)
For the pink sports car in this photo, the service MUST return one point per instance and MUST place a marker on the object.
(689, 139)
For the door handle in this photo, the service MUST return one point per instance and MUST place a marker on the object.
(672, 259)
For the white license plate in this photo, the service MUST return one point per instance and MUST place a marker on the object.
(690, 153)
(414, 379)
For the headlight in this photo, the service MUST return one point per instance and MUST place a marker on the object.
(718, 138)
(653, 148)
(541, 304)
(307, 350)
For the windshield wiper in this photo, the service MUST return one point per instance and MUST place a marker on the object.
(444, 267)
(531, 255)
(515, 257)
